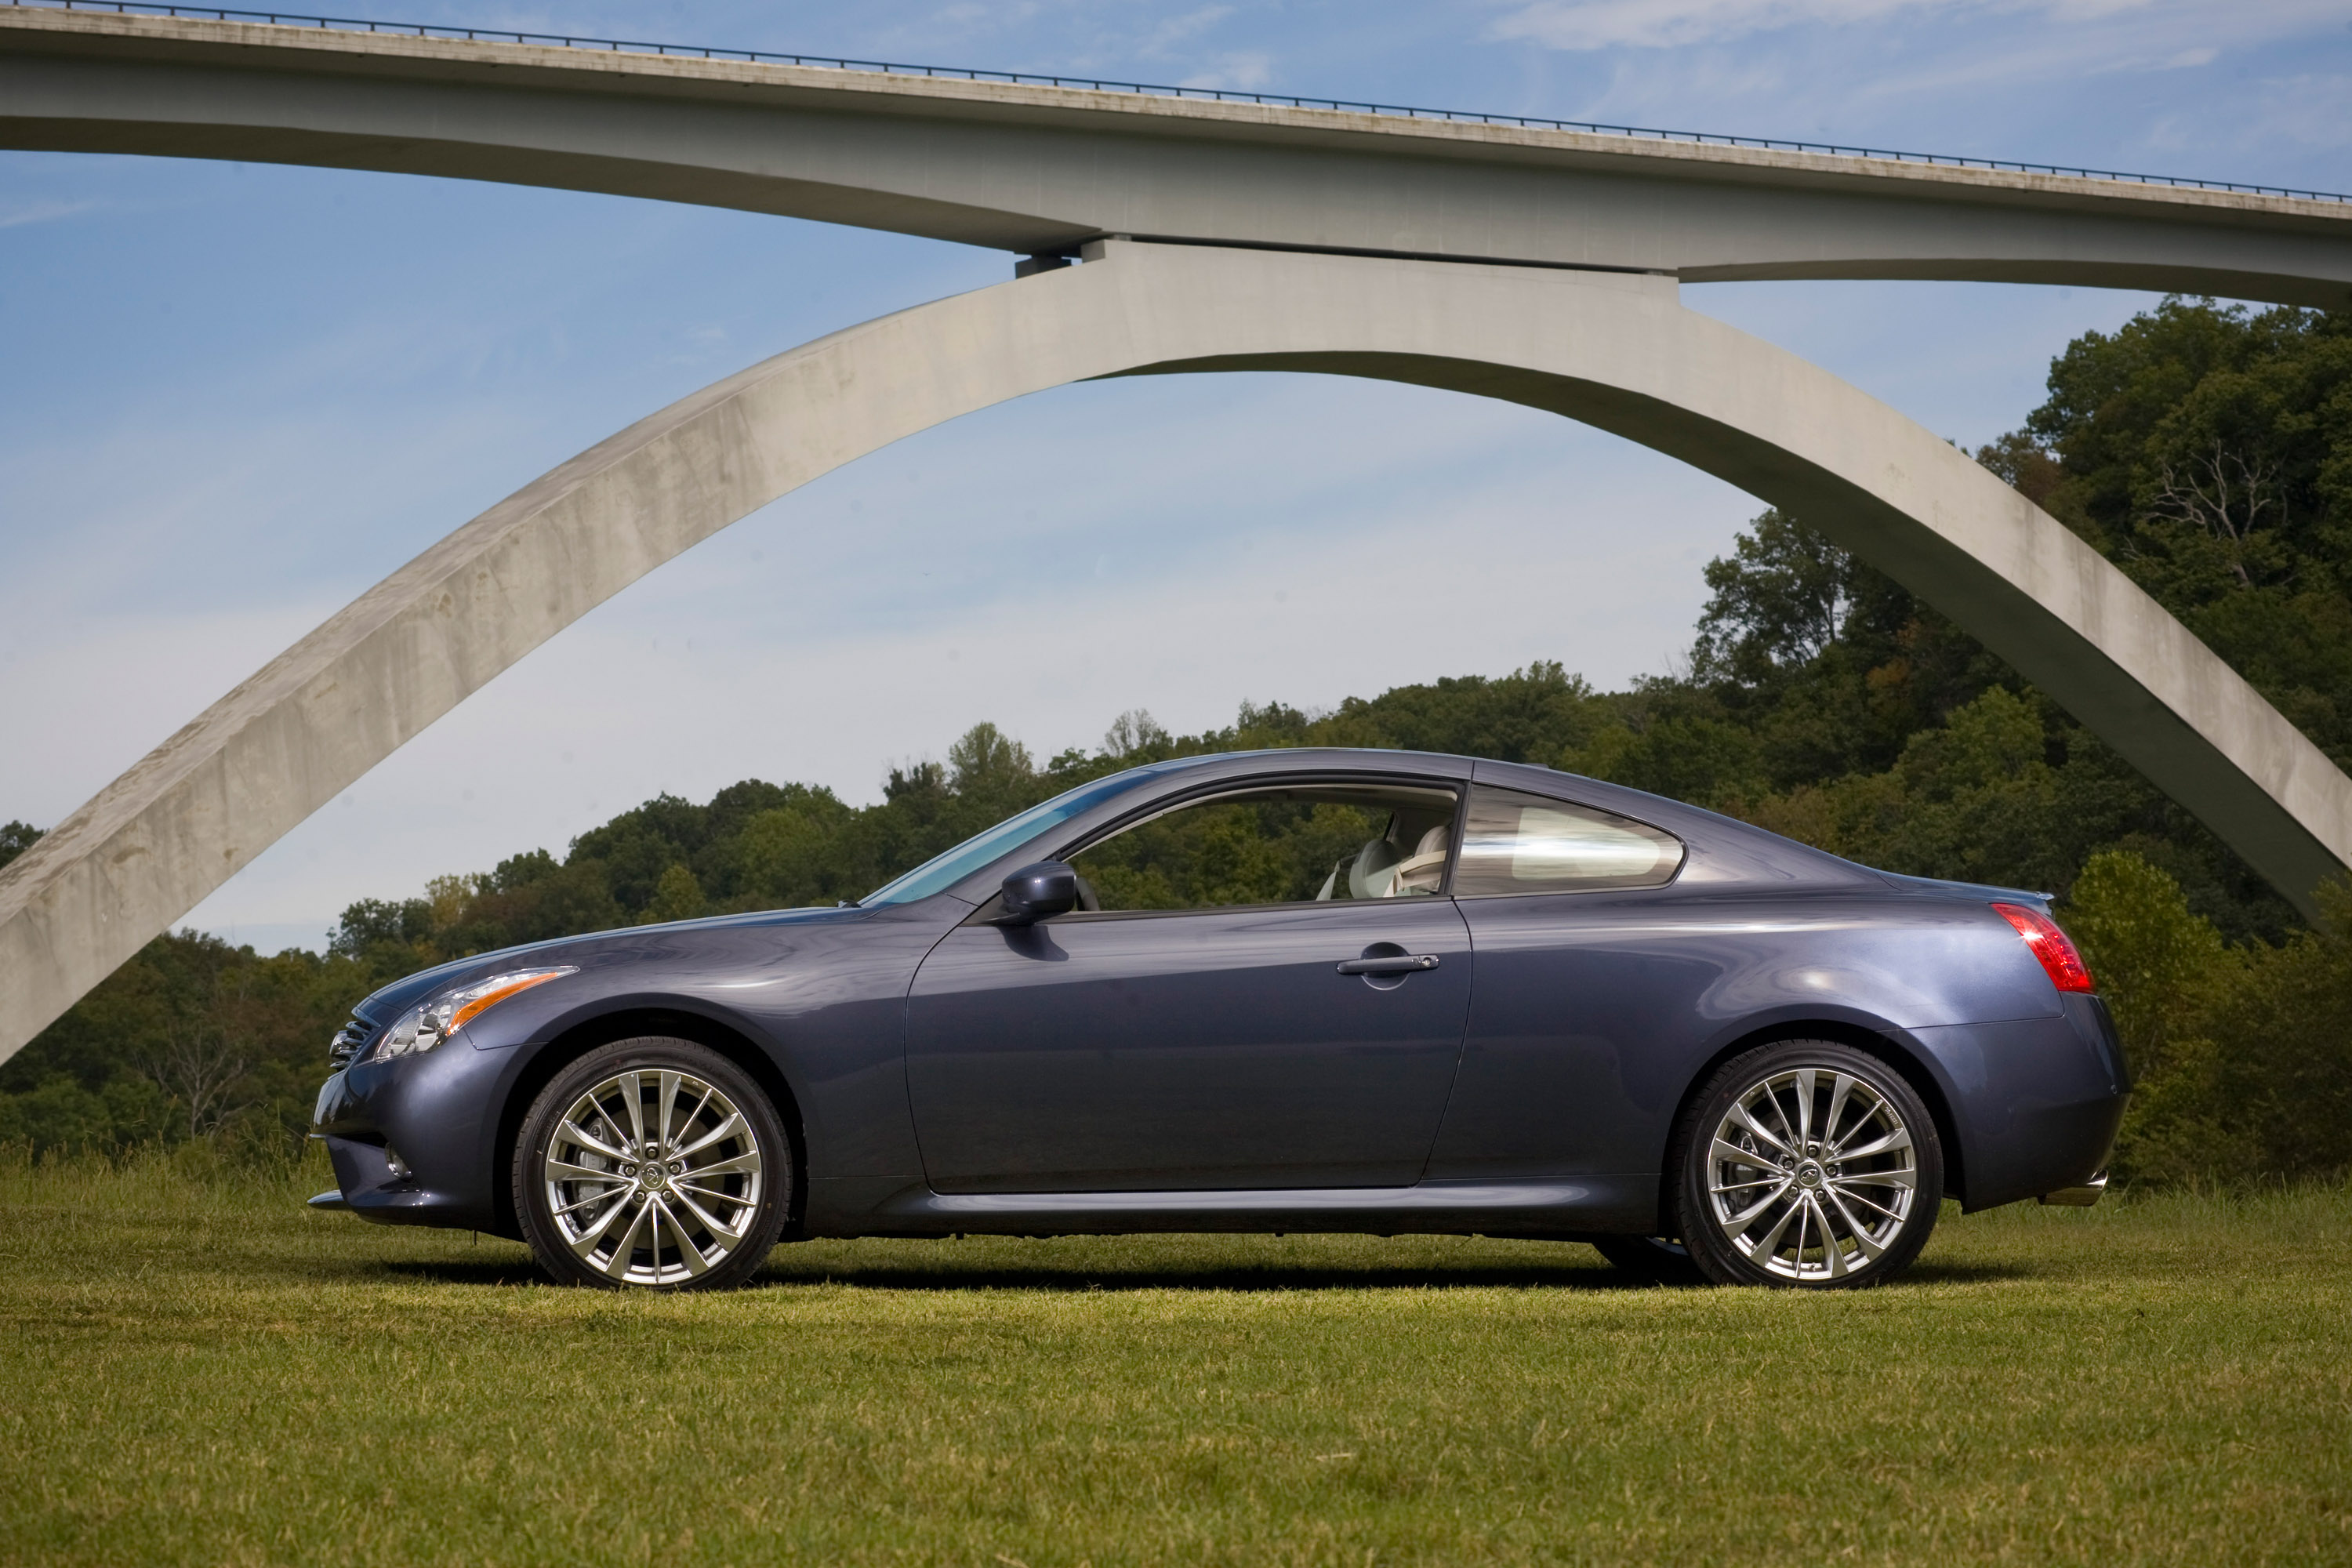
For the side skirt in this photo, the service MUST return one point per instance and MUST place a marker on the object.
(1616, 1203)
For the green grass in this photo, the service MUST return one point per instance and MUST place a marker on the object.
(194, 1370)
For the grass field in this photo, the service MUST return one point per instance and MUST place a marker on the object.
(193, 1369)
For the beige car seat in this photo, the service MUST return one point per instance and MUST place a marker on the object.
(1378, 871)
(1421, 872)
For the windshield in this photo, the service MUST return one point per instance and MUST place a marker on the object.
(946, 870)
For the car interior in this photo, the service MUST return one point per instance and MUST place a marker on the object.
(1381, 869)
(1296, 844)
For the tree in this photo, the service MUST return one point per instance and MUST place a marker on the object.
(986, 760)
(2207, 451)
(198, 1070)
(1136, 736)
(1779, 602)
(2158, 963)
(16, 838)
(677, 897)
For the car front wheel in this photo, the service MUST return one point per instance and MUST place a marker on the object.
(653, 1163)
(1807, 1163)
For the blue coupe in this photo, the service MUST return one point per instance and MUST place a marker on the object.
(1280, 991)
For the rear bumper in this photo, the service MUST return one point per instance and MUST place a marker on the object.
(2035, 1101)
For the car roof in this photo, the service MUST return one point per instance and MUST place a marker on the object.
(1724, 848)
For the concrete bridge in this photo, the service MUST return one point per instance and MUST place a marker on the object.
(1533, 265)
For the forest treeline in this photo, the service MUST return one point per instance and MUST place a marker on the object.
(2207, 451)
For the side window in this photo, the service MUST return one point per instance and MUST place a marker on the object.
(1301, 844)
(1525, 844)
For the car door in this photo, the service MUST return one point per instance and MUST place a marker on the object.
(1222, 1037)
(1584, 970)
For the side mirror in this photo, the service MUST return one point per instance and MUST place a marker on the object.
(1033, 892)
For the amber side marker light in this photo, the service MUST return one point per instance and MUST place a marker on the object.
(482, 1001)
(2059, 960)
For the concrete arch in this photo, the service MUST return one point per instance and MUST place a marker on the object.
(1614, 351)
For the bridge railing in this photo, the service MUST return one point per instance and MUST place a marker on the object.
(1093, 84)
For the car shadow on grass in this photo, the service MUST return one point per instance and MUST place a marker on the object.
(511, 1272)
(920, 1278)
(1930, 1273)
(1262, 1280)
(783, 1273)
(1050, 1280)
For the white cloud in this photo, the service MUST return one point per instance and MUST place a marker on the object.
(1183, 29)
(2176, 86)
(1672, 24)
(139, 576)
(672, 692)
(43, 212)
(2310, 111)
(2147, 35)
(1080, 38)
(1234, 73)
(93, 695)
(2081, 41)
(1289, 538)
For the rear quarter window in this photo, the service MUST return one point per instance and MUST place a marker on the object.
(1517, 843)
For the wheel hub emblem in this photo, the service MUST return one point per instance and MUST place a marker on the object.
(1809, 1174)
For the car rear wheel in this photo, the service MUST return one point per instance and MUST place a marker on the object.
(652, 1162)
(1807, 1163)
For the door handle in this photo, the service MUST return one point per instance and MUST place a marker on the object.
(1403, 964)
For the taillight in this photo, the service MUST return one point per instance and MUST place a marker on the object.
(2059, 960)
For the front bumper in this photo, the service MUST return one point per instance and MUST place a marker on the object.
(413, 1140)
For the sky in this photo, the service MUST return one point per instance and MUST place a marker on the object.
(233, 396)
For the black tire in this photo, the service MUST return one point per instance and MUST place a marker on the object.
(1660, 1259)
(1868, 1188)
(702, 1217)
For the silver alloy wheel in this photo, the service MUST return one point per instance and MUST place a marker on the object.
(1811, 1174)
(652, 1177)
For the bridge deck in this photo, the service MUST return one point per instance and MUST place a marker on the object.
(1032, 168)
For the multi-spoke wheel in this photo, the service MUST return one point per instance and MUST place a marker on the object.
(652, 1162)
(1807, 1163)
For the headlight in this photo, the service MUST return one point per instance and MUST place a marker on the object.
(422, 1028)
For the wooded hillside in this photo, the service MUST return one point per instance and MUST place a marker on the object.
(2207, 451)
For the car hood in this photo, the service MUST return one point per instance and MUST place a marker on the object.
(382, 1005)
